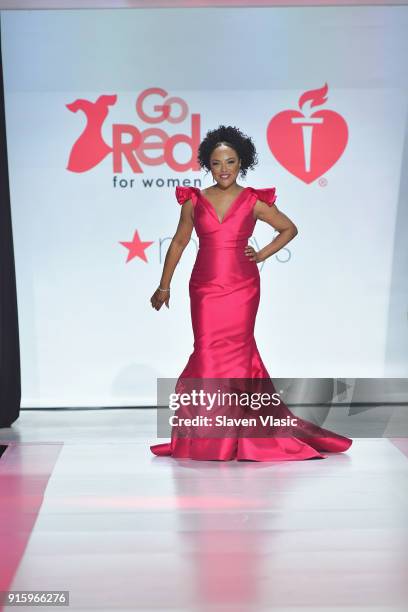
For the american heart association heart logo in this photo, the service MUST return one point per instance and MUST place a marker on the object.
(306, 144)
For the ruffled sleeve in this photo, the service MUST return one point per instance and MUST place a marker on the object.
(186, 193)
(267, 195)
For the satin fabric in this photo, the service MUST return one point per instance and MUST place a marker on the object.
(224, 293)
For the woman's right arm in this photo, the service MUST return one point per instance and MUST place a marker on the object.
(177, 245)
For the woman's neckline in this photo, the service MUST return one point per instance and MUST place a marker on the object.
(221, 221)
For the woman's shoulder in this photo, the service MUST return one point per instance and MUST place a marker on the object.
(265, 194)
(186, 193)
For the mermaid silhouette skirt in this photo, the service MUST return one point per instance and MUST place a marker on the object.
(224, 298)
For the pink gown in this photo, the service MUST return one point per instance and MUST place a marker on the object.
(224, 297)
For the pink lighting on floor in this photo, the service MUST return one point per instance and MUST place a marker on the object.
(25, 470)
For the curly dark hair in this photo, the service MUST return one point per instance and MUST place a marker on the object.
(233, 137)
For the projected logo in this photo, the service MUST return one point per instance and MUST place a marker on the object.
(130, 143)
(308, 144)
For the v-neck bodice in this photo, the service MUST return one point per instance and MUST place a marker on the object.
(238, 222)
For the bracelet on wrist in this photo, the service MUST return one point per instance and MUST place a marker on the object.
(160, 289)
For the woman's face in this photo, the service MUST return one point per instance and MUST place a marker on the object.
(224, 165)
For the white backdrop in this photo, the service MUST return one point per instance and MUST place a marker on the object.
(88, 333)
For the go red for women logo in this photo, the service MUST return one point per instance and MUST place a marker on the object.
(307, 144)
(130, 143)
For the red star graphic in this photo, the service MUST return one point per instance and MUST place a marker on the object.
(136, 247)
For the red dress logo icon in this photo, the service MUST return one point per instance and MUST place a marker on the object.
(90, 148)
(306, 144)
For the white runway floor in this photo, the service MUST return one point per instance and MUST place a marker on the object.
(121, 529)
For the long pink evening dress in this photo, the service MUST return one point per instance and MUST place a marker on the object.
(224, 297)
